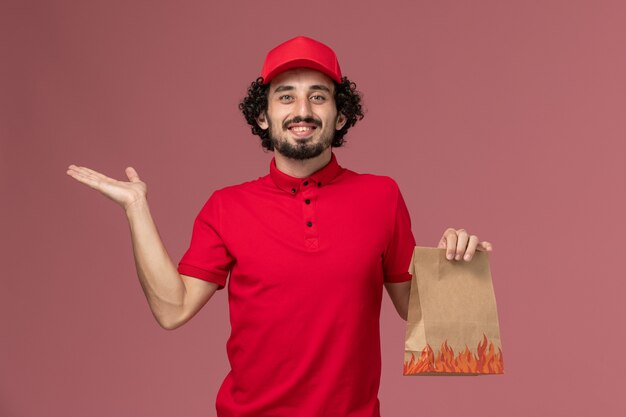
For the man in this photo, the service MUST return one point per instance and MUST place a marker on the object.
(306, 250)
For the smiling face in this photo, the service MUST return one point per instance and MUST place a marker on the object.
(301, 113)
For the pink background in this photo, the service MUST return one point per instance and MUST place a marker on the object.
(505, 118)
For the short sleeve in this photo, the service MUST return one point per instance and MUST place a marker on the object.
(399, 251)
(207, 257)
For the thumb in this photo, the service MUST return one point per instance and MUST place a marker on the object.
(132, 174)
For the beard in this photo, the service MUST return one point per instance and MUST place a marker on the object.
(304, 148)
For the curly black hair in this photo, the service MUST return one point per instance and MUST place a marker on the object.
(347, 100)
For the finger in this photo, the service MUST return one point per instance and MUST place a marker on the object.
(484, 246)
(92, 173)
(92, 178)
(443, 242)
(451, 239)
(86, 173)
(461, 245)
(79, 171)
(84, 177)
(471, 247)
(132, 174)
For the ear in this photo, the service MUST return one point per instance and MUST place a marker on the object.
(261, 120)
(341, 120)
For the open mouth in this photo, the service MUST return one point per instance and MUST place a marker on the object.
(302, 130)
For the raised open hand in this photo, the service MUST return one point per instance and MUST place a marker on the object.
(123, 193)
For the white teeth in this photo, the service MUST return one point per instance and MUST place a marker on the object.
(301, 128)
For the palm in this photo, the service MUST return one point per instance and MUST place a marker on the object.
(123, 193)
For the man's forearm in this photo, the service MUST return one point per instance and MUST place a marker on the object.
(159, 278)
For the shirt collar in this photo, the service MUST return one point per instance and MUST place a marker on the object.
(319, 178)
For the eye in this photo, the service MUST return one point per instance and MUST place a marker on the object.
(318, 98)
(285, 97)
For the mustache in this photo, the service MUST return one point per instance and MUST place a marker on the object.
(299, 119)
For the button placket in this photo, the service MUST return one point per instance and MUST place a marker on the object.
(308, 195)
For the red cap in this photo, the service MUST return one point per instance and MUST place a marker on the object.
(301, 52)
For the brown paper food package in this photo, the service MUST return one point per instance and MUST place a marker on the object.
(452, 325)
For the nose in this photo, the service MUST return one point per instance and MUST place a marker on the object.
(303, 107)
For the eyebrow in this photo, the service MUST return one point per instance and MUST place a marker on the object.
(320, 87)
(313, 87)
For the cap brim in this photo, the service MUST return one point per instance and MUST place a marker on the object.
(300, 63)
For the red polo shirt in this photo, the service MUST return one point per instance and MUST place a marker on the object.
(307, 260)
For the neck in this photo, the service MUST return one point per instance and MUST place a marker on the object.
(302, 168)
